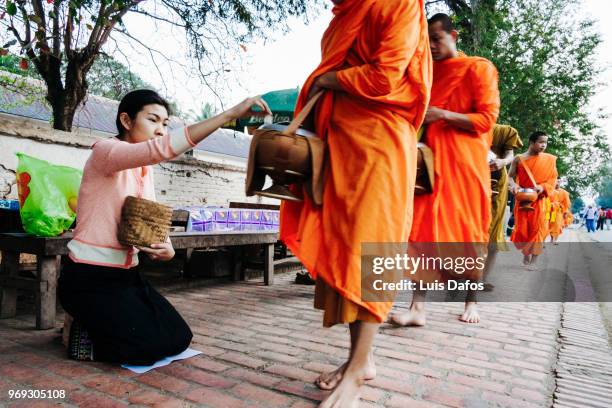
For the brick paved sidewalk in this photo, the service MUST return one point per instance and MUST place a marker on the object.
(263, 347)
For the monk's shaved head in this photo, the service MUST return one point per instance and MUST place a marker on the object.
(444, 19)
(536, 135)
(442, 37)
(537, 142)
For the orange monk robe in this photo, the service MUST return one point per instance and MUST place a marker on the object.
(555, 223)
(531, 227)
(381, 52)
(566, 206)
(569, 219)
(459, 208)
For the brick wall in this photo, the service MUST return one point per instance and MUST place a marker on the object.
(183, 181)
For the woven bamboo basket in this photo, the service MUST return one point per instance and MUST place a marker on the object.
(144, 222)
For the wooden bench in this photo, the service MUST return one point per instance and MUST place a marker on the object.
(48, 252)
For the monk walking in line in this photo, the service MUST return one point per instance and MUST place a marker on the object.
(566, 206)
(555, 222)
(463, 109)
(376, 74)
(530, 227)
(505, 141)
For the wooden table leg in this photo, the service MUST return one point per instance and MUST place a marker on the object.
(237, 264)
(48, 272)
(8, 296)
(269, 264)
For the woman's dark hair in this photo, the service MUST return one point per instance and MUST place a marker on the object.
(535, 136)
(134, 101)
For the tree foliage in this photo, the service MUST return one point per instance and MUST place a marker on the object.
(111, 79)
(107, 78)
(604, 188)
(206, 112)
(63, 38)
(545, 54)
(577, 205)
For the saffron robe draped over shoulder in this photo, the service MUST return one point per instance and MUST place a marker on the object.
(459, 208)
(380, 50)
(531, 227)
(504, 138)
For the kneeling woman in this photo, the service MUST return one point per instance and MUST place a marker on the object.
(118, 316)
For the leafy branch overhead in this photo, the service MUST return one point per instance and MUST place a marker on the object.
(61, 39)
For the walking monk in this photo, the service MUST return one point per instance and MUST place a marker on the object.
(566, 205)
(376, 70)
(463, 109)
(505, 141)
(530, 227)
(560, 204)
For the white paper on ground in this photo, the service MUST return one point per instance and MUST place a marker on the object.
(143, 369)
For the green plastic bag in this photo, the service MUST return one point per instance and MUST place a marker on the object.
(47, 195)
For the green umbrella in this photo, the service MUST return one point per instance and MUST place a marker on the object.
(282, 104)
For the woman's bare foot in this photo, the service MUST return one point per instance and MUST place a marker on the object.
(346, 394)
(414, 317)
(329, 381)
(470, 315)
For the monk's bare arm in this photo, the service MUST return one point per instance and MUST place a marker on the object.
(512, 175)
(455, 119)
(458, 120)
(329, 80)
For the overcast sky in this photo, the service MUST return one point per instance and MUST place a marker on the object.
(286, 60)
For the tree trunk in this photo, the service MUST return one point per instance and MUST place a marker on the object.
(65, 99)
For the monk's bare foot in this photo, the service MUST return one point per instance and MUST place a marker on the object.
(414, 317)
(329, 381)
(526, 260)
(346, 394)
(470, 315)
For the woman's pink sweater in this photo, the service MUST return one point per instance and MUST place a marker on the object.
(115, 170)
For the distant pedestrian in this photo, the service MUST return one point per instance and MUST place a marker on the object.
(608, 218)
(589, 216)
(601, 218)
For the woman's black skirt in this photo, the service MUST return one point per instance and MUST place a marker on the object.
(127, 320)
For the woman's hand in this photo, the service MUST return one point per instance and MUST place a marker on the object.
(245, 108)
(159, 252)
(434, 114)
(539, 189)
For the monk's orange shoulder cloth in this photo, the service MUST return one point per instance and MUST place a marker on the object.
(380, 50)
(459, 209)
(531, 227)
